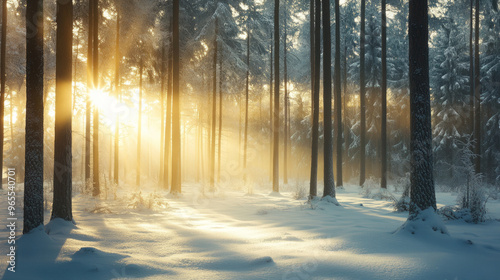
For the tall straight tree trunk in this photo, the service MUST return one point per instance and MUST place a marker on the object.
(33, 181)
(285, 81)
(276, 132)
(214, 109)
(246, 105)
(162, 122)
(383, 150)
(139, 129)
(477, 100)
(176, 115)
(271, 74)
(117, 96)
(338, 97)
(422, 184)
(220, 119)
(362, 101)
(90, 86)
(471, 69)
(329, 181)
(346, 116)
(95, 72)
(168, 122)
(3, 78)
(61, 207)
(313, 189)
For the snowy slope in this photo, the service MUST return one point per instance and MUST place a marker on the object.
(232, 235)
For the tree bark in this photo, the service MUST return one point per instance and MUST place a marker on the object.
(139, 128)
(246, 105)
(117, 96)
(276, 132)
(90, 86)
(329, 181)
(477, 100)
(61, 207)
(383, 150)
(285, 103)
(421, 175)
(315, 99)
(33, 181)
(214, 109)
(95, 72)
(3, 78)
(338, 97)
(176, 122)
(220, 119)
(362, 90)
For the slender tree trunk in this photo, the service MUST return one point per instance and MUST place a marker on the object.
(62, 207)
(246, 105)
(421, 176)
(329, 181)
(33, 181)
(362, 90)
(3, 78)
(90, 86)
(346, 126)
(95, 72)
(276, 136)
(162, 121)
(338, 97)
(285, 81)
(383, 164)
(214, 109)
(176, 116)
(477, 90)
(471, 69)
(168, 122)
(139, 129)
(271, 74)
(117, 96)
(315, 99)
(220, 118)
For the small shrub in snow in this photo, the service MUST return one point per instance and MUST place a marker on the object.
(403, 203)
(371, 189)
(300, 192)
(152, 201)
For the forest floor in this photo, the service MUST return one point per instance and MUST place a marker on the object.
(236, 235)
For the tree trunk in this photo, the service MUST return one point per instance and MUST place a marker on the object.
(168, 122)
(246, 105)
(329, 181)
(162, 121)
(90, 86)
(276, 132)
(220, 119)
(362, 85)
(338, 97)
(61, 207)
(3, 78)
(117, 96)
(477, 89)
(285, 103)
(316, 50)
(271, 74)
(471, 69)
(421, 176)
(95, 72)
(176, 116)
(33, 181)
(383, 150)
(214, 109)
(139, 128)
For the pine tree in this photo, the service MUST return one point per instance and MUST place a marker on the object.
(176, 126)
(3, 77)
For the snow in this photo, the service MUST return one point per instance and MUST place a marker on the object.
(232, 235)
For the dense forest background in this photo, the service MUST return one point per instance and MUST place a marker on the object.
(226, 48)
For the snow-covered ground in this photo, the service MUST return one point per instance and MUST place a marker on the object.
(234, 235)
